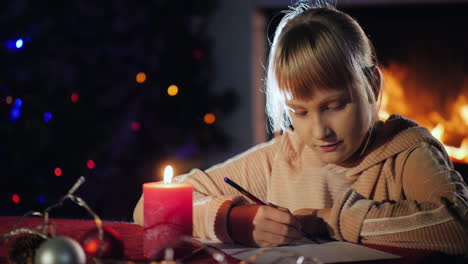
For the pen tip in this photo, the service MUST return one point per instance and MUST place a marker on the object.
(225, 178)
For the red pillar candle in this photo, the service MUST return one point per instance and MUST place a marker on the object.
(167, 210)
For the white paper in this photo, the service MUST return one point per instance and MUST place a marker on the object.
(325, 252)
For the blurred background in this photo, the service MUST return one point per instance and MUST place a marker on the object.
(117, 90)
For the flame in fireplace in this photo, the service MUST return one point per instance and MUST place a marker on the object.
(446, 118)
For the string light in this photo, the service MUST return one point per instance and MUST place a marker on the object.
(16, 198)
(209, 118)
(47, 117)
(74, 97)
(90, 164)
(141, 77)
(58, 172)
(173, 90)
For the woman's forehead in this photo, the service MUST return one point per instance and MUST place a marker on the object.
(319, 96)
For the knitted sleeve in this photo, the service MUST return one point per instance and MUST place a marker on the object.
(433, 215)
(213, 198)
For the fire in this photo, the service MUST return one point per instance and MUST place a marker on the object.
(447, 122)
(438, 131)
(464, 113)
(168, 173)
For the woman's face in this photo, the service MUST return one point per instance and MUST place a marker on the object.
(331, 124)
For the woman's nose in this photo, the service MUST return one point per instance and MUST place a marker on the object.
(321, 129)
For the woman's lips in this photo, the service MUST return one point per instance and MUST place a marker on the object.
(330, 147)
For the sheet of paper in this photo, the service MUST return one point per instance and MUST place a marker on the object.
(325, 252)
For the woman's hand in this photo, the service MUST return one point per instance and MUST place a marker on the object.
(263, 226)
(313, 220)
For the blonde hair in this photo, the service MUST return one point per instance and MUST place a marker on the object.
(317, 47)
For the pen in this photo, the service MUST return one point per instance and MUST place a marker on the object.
(260, 202)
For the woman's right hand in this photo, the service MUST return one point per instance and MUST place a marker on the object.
(263, 226)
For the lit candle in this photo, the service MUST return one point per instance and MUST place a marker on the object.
(167, 210)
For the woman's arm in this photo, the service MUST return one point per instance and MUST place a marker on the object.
(433, 215)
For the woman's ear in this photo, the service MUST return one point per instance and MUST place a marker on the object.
(377, 85)
(374, 76)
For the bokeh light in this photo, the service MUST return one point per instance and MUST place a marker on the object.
(136, 126)
(19, 43)
(209, 118)
(16, 198)
(197, 54)
(9, 99)
(173, 90)
(15, 113)
(141, 77)
(74, 97)
(47, 117)
(58, 172)
(18, 102)
(41, 199)
(90, 164)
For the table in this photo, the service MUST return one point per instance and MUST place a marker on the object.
(132, 238)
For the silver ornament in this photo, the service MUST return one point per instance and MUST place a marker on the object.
(60, 250)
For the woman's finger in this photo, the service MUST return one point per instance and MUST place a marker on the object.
(279, 229)
(280, 216)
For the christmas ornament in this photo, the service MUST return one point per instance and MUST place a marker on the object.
(111, 245)
(23, 249)
(60, 250)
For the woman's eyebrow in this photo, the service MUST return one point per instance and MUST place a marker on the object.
(330, 98)
(337, 95)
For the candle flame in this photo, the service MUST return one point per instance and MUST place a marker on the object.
(168, 172)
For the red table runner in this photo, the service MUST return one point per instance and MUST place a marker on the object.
(132, 237)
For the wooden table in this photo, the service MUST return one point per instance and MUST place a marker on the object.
(132, 238)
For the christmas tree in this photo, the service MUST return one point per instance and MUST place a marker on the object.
(106, 89)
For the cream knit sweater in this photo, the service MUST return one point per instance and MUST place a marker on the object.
(403, 193)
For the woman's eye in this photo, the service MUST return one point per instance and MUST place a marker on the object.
(300, 113)
(336, 105)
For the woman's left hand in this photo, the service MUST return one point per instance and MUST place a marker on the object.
(312, 220)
